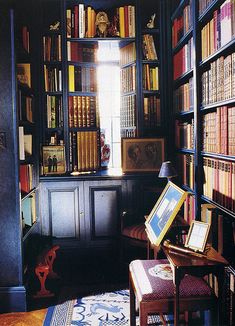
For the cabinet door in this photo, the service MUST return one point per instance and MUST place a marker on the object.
(62, 208)
(102, 211)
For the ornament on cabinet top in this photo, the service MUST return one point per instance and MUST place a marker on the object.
(102, 23)
(151, 22)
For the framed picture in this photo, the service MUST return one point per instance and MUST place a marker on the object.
(197, 236)
(142, 154)
(164, 212)
(53, 158)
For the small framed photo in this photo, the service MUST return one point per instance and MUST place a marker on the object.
(164, 212)
(53, 158)
(197, 236)
(142, 154)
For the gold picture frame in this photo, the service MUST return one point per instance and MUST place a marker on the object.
(53, 159)
(197, 236)
(164, 211)
(142, 154)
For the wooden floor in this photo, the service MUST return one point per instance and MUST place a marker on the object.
(32, 318)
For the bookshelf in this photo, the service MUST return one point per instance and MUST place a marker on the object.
(69, 68)
(203, 98)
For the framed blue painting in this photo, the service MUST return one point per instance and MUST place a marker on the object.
(164, 212)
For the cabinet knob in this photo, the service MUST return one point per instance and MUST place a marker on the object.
(81, 213)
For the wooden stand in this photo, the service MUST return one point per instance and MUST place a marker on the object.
(44, 270)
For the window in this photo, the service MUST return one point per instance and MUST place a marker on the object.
(108, 75)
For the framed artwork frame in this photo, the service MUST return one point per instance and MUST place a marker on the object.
(53, 159)
(164, 211)
(142, 154)
(197, 236)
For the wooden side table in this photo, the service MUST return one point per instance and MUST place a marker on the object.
(182, 264)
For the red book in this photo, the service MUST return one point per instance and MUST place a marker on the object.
(24, 178)
(126, 21)
(76, 21)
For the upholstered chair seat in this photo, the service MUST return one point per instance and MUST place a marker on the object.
(151, 283)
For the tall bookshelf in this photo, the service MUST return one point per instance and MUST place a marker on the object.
(71, 111)
(204, 98)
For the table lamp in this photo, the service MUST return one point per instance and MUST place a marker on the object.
(167, 171)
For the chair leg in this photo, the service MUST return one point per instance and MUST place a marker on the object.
(132, 305)
(143, 315)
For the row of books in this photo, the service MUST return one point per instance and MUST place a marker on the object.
(55, 118)
(218, 130)
(128, 111)
(150, 78)
(79, 52)
(128, 132)
(184, 134)
(209, 214)
(182, 24)
(82, 79)
(26, 178)
(219, 182)
(128, 79)
(128, 54)
(83, 111)
(28, 210)
(218, 83)
(183, 60)
(84, 151)
(183, 97)
(229, 302)
(52, 47)
(25, 144)
(203, 4)
(185, 166)
(25, 105)
(219, 30)
(52, 79)
(152, 112)
(149, 49)
(83, 22)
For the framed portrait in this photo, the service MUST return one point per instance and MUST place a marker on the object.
(142, 154)
(197, 236)
(53, 158)
(164, 211)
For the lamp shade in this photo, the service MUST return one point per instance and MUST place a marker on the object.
(167, 170)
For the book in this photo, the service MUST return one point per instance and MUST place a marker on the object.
(21, 143)
(28, 145)
(24, 73)
(71, 78)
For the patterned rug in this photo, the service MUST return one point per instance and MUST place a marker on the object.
(106, 309)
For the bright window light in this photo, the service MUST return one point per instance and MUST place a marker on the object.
(108, 75)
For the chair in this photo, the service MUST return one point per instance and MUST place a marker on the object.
(152, 287)
(133, 234)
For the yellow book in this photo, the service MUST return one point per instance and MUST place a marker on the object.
(71, 79)
(79, 153)
(95, 154)
(89, 21)
(121, 22)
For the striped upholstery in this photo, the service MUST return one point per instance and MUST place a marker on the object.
(150, 288)
(136, 231)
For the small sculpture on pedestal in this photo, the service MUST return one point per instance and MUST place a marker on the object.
(151, 21)
(102, 23)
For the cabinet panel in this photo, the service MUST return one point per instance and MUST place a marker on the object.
(64, 213)
(105, 211)
(62, 206)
